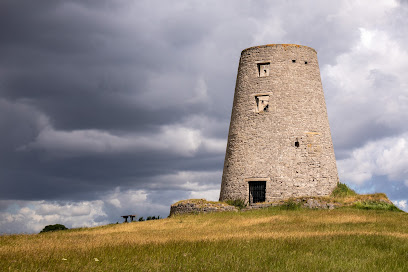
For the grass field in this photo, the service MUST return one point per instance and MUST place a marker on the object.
(270, 239)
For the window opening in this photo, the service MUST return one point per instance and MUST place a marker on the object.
(305, 62)
(262, 103)
(297, 143)
(293, 61)
(263, 69)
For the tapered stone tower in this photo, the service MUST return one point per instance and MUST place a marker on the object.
(279, 141)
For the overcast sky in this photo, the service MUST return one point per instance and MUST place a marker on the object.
(123, 107)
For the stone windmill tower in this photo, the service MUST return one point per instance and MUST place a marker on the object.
(279, 141)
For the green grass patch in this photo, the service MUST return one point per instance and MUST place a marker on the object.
(291, 205)
(375, 205)
(328, 253)
(342, 190)
(238, 203)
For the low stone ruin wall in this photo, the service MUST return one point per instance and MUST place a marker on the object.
(306, 202)
(199, 206)
(204, 206)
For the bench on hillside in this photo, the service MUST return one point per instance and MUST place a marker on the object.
(127, 216)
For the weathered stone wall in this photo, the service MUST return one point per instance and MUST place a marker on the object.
(199, 206)
(305, 202)
(279, 130)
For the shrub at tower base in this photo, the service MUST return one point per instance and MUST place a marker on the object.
(269, 239)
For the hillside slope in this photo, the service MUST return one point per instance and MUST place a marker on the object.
(271, 239)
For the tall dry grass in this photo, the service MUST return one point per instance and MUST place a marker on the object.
(224, 241)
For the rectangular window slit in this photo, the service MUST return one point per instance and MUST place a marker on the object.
(263, 69)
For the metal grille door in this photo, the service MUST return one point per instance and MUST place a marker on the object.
(257, 191)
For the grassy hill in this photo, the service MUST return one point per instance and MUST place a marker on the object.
(272, 239)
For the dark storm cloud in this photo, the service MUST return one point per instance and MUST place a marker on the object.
(76, 65)
(83, 69)
(84, 177)
(21, 122)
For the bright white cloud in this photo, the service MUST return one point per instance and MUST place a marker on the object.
(402, 204)
(368, 95)
(33, 216)
(175, 139)
(120, 198)
(210, 195)
(364, 12)
(200, 184)
(352, 73)
(388, 157)
(191, 180)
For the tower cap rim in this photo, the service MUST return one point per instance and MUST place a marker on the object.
(276, 44)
